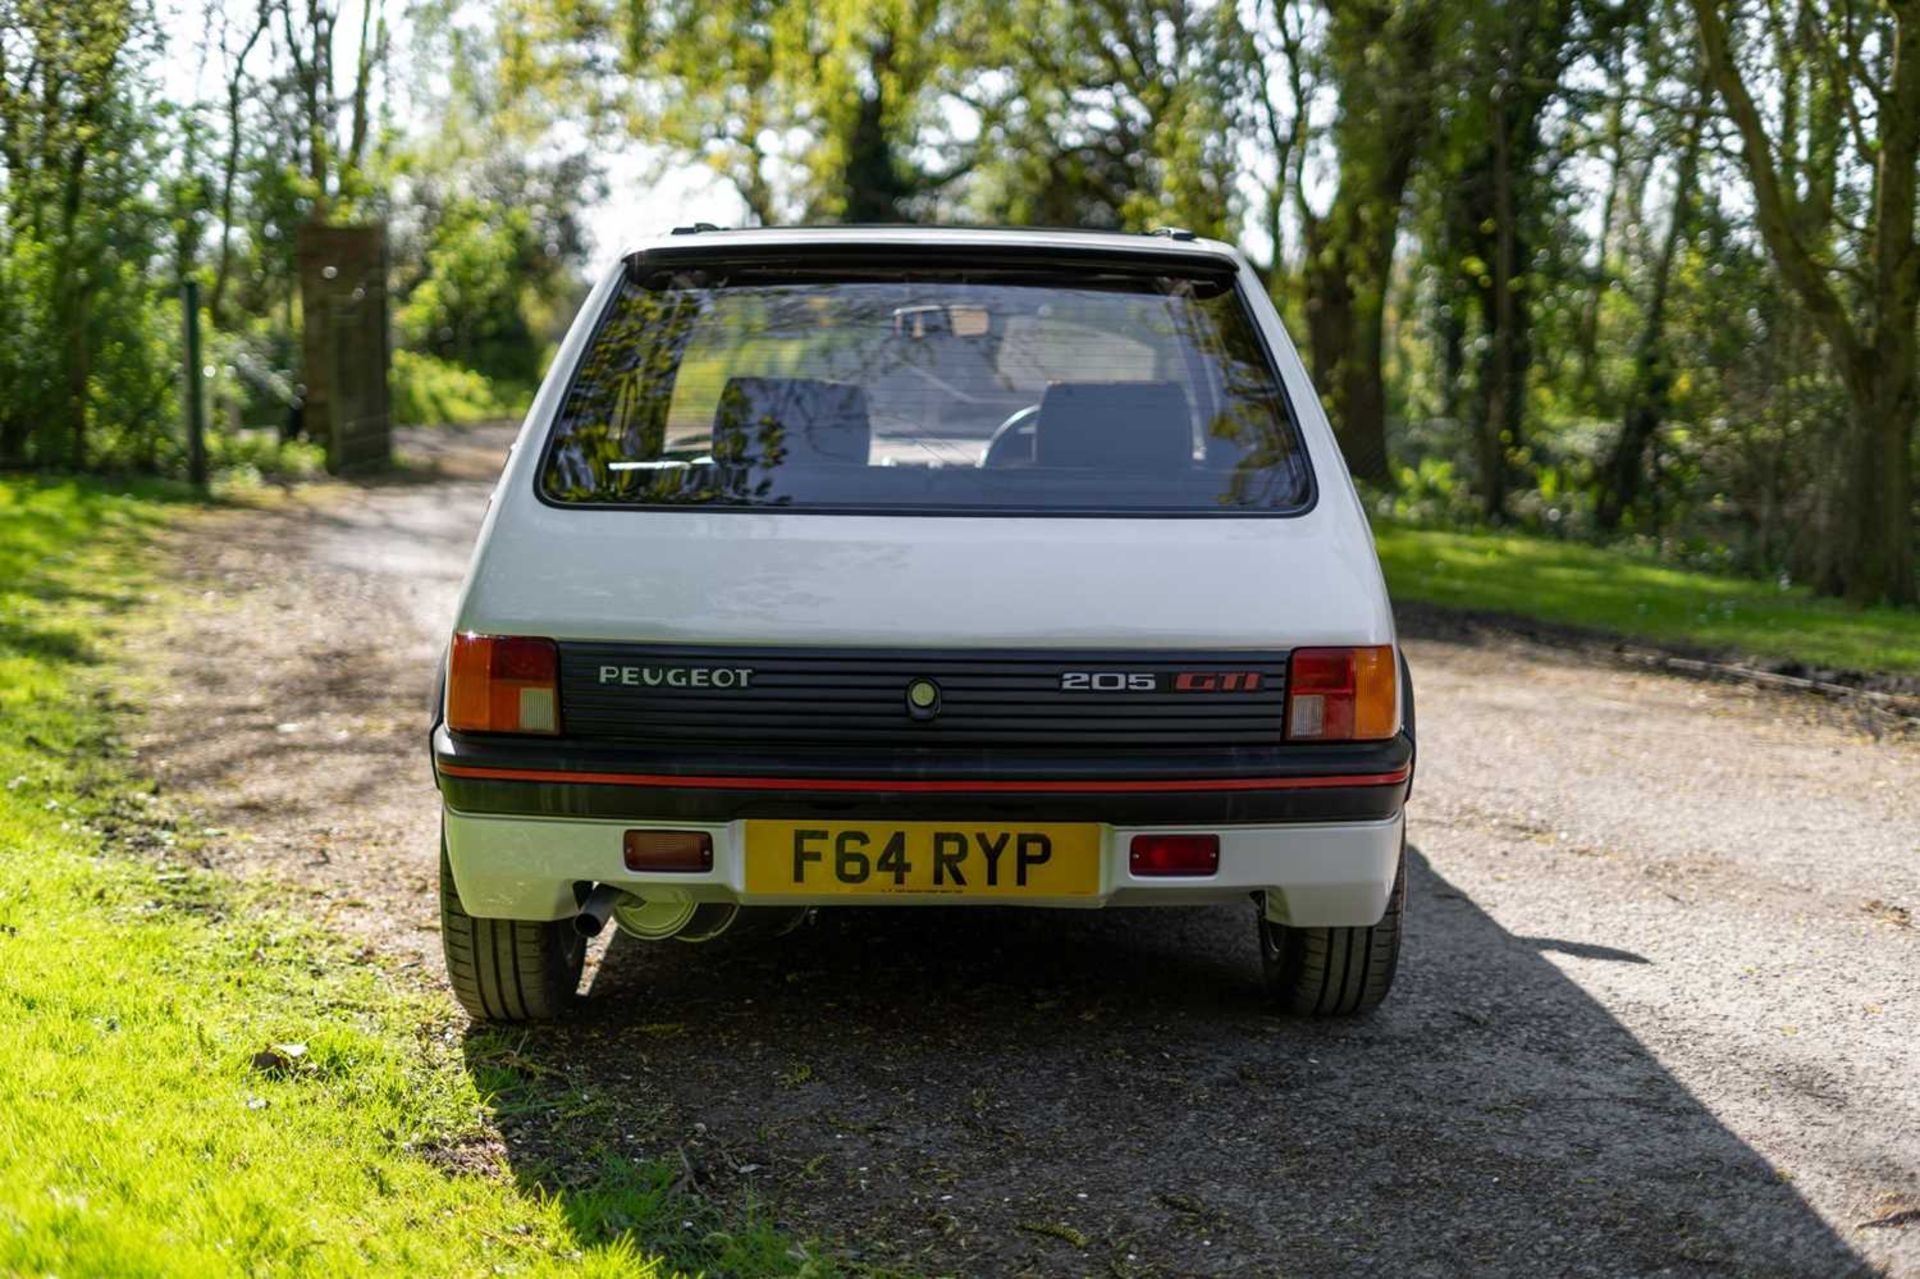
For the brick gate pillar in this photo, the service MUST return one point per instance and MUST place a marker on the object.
(343, 304)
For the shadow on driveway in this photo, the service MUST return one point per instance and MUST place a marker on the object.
(996, 1091)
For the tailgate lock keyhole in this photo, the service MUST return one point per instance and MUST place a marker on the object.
(923, 699)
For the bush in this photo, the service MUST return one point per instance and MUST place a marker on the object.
(431, 392)
(253, 456)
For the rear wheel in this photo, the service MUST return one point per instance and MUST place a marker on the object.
(1334, 972)
(508, 969)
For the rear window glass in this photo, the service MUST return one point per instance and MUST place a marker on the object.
(805, 388)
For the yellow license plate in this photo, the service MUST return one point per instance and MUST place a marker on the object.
(952, 858)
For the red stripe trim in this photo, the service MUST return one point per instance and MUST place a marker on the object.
(878, 784)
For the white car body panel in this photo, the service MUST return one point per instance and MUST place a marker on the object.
(922, 581)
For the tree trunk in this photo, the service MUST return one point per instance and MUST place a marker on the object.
(1502, 371)
(1384, 67)
(1329, 326)
(73, 284)
(230, 168)
(1647, 398)
(1588, 381)
(1879, 535)
(871, 190)
(1347, 278)
(79, 372)
(1507, 195)
(1349, 269)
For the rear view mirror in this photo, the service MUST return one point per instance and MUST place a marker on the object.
(916, 323)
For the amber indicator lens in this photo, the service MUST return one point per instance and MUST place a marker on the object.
(672, 850)
(1343, 694)
(503, 684)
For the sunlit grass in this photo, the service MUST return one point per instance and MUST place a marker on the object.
(1616, 593)
(141, 1129)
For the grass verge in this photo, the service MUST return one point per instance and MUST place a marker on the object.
(195, 1082)
(1608, 591)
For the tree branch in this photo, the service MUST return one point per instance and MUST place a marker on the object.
(1896, 255)
(1773, 204)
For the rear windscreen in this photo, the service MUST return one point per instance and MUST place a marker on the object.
(1079, 390)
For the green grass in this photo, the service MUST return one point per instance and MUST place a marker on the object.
(141, 1130)
(1620, 594)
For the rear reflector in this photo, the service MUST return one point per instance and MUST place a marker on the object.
(1343, 694)
(682, 850)
(501, 684)
(1175, 854)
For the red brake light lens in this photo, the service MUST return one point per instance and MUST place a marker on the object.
(1343, 694)
(1174, 855)
(503, 684)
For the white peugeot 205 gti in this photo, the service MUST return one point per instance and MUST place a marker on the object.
(922, 567)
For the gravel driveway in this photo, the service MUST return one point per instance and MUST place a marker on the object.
(1659, 1011)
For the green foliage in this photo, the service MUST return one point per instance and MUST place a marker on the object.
(466, 306)
(84, 311)
(487, 232)
(814, 112)
(242, 460)
(1430, 492)
(430, 392)
(153, 1118)
(1121, 116)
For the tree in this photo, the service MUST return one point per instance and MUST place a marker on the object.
(1115, 116)
(80, 228)
(1380, 64)
(815, 112)
(1862, 290)
(331, 125)
(1649, 397)
(237, 81)
(1272, 55)
(1499, 193)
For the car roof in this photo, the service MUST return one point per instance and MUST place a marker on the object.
(1164, 243)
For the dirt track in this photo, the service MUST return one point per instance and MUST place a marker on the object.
(1660, 1010)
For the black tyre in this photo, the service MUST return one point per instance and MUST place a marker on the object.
(508, 969)
(1334, 972)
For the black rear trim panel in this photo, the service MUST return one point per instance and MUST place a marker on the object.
(856, 697)
(848, 260)
(1146, 808)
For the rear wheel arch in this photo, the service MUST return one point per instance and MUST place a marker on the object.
(1334, 971)
(507, 970)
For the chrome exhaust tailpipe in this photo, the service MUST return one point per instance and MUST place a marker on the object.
(595, 911)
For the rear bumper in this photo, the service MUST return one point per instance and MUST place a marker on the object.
(1334, 873)
(1316, 829)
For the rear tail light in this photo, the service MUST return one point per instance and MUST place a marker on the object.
(501, 684)
(1343, 694)
(1174, 854)
(686, 850)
